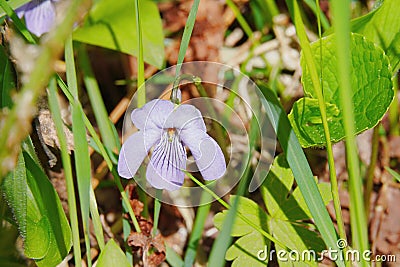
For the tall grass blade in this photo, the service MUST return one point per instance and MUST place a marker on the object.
(317, 83)
(341, 23)
(187, 33)
(300, 168)
(195, 237)
(66, 161)
(81, 150)
(96, 101)
(98, 227)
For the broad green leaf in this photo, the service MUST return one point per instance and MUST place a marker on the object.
(33, 226)
(296, 235)
(372, 91)
(38, 212)
(296, 207)
(299, 238)
(46, 200)
(111, 24)
(286, 212)
(112, 255)
(280, 178)
(382, 26)
(275, 192)
(13, 188)
(245, 250)
(7, 79)
(250, 210)
(9, 254)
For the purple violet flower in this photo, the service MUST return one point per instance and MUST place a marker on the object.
(169, 128)
(40, 15)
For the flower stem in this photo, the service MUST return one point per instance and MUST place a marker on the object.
(157, 208)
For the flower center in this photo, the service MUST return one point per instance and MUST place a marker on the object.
(171, 133)
(169, 156)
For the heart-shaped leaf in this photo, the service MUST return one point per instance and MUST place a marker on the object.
(372, 91)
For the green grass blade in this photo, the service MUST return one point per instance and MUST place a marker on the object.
(14, 5)
(195, 237)
(393, 173)
(187, 33)
(157, 208)
(224, 238)
(242, 21)
(172, 258)
(51, 49)
(81, 150)
(66, 161)
(96, 100)
(341, 11)
(140, 60)
(318, 13)
(8, 9)
(300, 168)
(98, 227)
(104, 153)
(317, 83)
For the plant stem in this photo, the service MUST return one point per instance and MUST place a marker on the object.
(341, 11)
(331, 159)
(394, 108)
(369, 182)
(309, 58)
(157, 207)
(195, 237)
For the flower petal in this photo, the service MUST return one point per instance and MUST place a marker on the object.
(153, 114)
(206, 152)
(166, 163)
(186, 116)
(21, 10)
(40, 16)
(134, 150)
